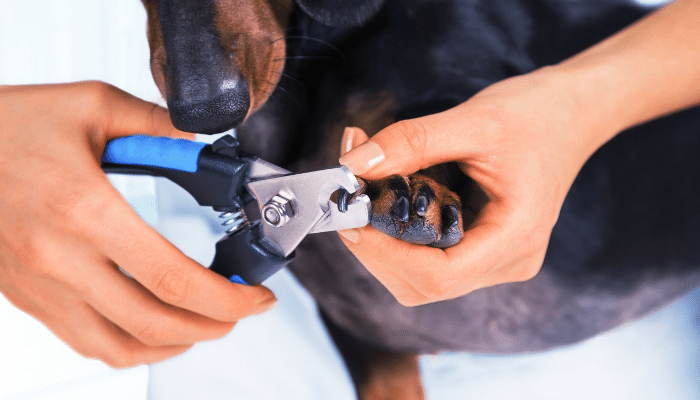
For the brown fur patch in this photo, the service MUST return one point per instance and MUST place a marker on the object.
(252, 33)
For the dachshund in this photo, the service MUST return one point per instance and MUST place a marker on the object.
(290, 75)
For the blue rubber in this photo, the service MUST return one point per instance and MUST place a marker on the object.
(161, 152)
(237, 279)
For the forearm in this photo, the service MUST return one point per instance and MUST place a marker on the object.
(650, 69)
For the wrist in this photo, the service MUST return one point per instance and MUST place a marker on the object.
(647, 70)
(591, 119)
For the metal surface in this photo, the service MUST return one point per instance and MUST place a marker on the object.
(313, 210)
(261, 169)
(357, 215)
(234, 221)
(278, 211)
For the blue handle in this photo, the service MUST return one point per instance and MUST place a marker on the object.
(149, 151)
(215, 176)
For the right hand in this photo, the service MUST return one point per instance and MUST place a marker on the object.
(64, 231)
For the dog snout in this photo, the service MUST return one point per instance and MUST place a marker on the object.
(205, 104)
(205, 91)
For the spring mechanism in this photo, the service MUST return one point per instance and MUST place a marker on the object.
(234, 221)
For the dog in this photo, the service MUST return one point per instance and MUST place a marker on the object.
(290, 75)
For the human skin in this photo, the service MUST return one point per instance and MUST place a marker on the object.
(524, 140)
(64, 230)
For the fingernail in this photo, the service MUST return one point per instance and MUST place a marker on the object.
(266, 305)
(352, 235)
(346, 142)
(363, 158)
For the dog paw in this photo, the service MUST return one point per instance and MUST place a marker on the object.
(416, 209)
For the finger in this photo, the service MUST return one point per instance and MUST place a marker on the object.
(388, 258)
(130, 306)
(408, 146)
(520, 270)
(162, 269)
(81, 327)
(402, 290)
(436, 274)
(93, 336)
(89, 277)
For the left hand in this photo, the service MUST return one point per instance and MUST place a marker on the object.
(523, 141)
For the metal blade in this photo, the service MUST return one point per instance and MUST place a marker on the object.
(302, 200)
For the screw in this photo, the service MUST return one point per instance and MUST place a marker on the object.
(277, 211)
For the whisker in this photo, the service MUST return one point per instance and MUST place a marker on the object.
(271, 96)
(315, 40)
(303, 86)
(304, 58)
(289, 94)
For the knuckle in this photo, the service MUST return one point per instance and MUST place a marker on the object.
(120, 359)
(527, 274)
(530, 269)
(172, 286)
(152, 334)
(435, 287)
(77, 198)
(413, 134)
(84, 351)
(80, 211)
(536, 243)
(409, 301)
(34, 259)
(95, 95)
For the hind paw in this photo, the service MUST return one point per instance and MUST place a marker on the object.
(416, 209)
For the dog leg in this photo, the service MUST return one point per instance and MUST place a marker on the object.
(377, 374)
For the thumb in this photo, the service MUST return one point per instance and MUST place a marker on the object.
(124, 114)
(352, 137)
(402, 148)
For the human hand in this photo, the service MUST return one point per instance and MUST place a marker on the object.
(64, 230)
(523, 141)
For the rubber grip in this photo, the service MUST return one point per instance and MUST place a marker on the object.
(242, 257)
(160, 152)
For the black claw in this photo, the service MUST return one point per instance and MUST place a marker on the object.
(450, 217)
(401, 209)
(421, 205)
(343, 198)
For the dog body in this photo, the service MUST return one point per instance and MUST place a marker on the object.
(626, 240)
(605, 264)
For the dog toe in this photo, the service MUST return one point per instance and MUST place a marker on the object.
(416, 209)
(390, 205)
(452, 231)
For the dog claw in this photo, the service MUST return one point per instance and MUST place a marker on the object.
(401, 209)
(343, 200)
(450, 217)
(421, 205)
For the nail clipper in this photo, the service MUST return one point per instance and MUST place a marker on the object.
(223, 177)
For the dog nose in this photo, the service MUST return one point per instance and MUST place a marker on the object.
(208, 104)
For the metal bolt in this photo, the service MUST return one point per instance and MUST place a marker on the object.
(277, 211)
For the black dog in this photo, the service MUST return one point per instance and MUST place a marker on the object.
(626, 240)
